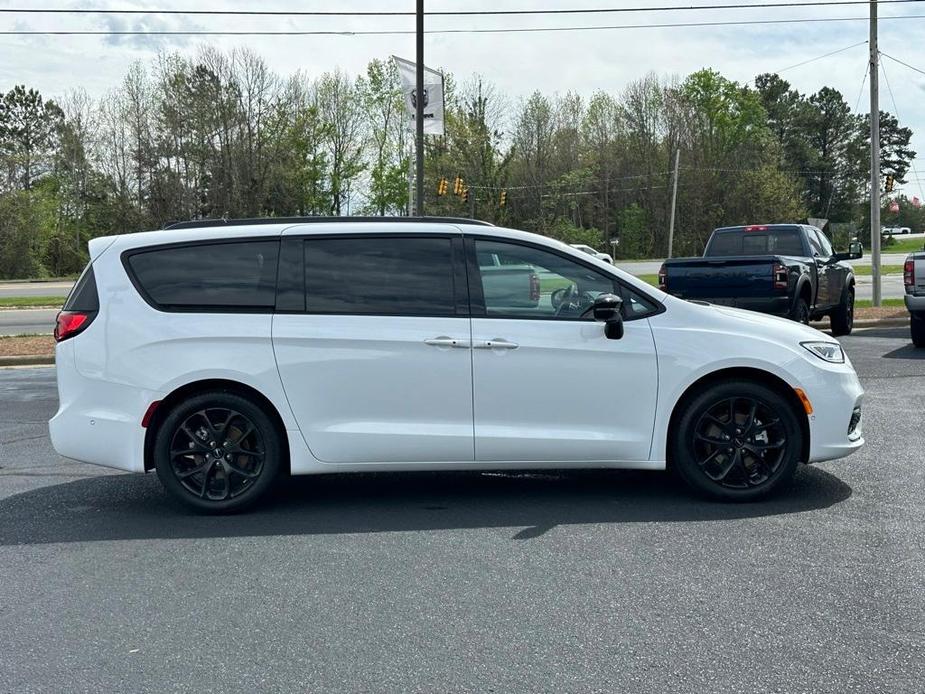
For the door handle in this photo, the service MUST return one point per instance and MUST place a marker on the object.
(496, 343)
(444, 341)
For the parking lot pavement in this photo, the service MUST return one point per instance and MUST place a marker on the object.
(602, 581)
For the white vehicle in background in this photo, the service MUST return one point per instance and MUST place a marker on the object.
(914, 282)
(896, 231)
(223, 354)
(590, 251)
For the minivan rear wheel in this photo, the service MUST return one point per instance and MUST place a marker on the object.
(737, 441)
(217, 452)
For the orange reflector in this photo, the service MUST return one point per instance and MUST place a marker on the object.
(807, 405)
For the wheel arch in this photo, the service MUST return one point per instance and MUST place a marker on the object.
(202, 386)
(740, 373)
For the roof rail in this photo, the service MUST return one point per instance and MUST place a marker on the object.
(199, 223)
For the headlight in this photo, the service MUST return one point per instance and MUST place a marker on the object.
(827, 351)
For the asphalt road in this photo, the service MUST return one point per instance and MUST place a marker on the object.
(27, 321)
(571, 582)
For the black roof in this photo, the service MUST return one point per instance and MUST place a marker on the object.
(199, 223)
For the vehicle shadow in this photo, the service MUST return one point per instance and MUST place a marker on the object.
(909, 351)
(134, 507)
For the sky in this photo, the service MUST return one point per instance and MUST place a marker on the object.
(518, 64)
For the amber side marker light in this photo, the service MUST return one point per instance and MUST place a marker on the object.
(804, 398)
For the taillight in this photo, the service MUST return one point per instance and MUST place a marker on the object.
(663, 278)
(909, 273)
(779, 276)
(70, 323)
(756, 227)
(534, 287)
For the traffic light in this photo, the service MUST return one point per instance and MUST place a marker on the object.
(889, 183)
(442, 186)
(458, 186)
(465, 195)
(502, 201)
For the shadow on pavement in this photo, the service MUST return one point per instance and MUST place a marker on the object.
(909, 351)
(134, 507)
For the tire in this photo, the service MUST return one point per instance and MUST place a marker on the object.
(742, 467)
(234, 452)
(800, 311)
(842, 318)
(917, 328)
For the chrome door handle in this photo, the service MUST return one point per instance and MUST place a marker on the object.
(444, 341)
(496, 343)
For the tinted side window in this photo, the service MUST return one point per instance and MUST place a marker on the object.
(83, 296)
(380, 276)
(814, 244)
(824, 242)
(210, 276)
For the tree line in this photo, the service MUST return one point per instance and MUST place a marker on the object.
(220, 134)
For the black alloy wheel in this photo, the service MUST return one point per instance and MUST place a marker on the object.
(217, 452)
(737, 441)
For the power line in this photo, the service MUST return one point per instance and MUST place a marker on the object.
(896, 111)
(400, 32)
(445, 13)
(897, 60)
(820, 57)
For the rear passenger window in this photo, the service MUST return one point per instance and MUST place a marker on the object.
(381, 276)
(219, 276)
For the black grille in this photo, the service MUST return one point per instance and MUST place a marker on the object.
(854, 423)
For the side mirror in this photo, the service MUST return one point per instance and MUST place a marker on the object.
(608, 309)
(855, 251)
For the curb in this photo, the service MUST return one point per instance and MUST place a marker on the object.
(27, 360)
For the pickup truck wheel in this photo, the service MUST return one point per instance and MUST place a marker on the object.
(917, 326)
(737, 441)
(842, 318)
(800, 311)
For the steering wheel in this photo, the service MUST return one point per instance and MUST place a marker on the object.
(573, 299)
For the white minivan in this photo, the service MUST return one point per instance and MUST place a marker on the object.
(221, 354)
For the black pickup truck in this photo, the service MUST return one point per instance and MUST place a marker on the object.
(784, 269)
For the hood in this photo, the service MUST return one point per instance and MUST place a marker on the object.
(734, 319)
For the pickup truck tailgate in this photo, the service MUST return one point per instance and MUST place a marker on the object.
(739, 277)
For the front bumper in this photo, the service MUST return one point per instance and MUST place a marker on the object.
(836, 425)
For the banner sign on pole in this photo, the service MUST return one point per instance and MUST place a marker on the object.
(433, 96)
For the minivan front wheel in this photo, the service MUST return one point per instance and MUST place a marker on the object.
(217, 452)
(737, 441)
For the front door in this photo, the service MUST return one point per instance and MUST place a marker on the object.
(376, 365)
(548, 385)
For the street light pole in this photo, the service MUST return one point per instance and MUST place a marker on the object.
(419, 111)
(874, 156)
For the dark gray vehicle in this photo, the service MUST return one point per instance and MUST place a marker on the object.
(784, 269)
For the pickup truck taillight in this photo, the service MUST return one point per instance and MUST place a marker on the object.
(779, 276)
(662, 278)
(909, 273)
(534, 287)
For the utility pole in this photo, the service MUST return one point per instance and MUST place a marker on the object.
(874, 156)
(674, 202)
(419, 110)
